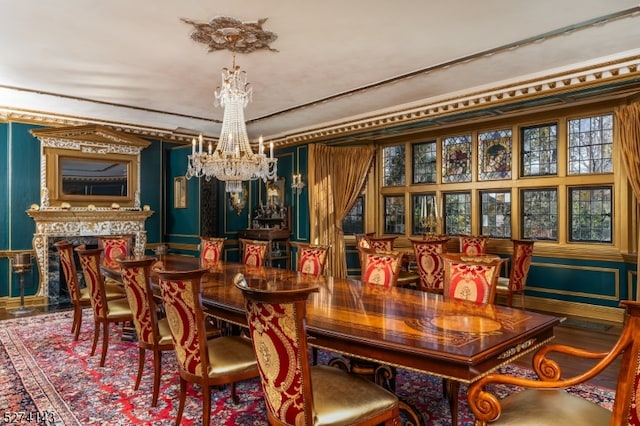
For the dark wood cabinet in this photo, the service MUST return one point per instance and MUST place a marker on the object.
(273, 225)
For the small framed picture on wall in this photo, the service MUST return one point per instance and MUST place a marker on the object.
(180, 192)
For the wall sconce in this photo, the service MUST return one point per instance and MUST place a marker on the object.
(297, 184)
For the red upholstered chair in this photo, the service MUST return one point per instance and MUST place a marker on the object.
(310, 258)
(254, 252)
(296, 393)
(220, 361)
(105, 311)
(211, 251)
(381, 243)
(545, 402)
(471, 278)
(153, 333)
(80, 296)
(430, 264)
(114, 247)
(521, 261)
(380, 267)
(473, 244)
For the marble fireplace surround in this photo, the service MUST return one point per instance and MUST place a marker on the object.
(57, 223)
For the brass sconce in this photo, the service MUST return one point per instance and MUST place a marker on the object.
(238, 200)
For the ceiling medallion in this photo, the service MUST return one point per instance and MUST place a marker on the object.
(223, 32)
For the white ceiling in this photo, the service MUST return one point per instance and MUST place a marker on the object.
(133, 62)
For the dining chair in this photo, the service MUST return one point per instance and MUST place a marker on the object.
(310, 258)
(520, 264)
(220, 361)
(380, 267)
(295, 392)
(211, 251)
(381, 243)
(105, 311)
(152, 332)
(114, 247)
(472, 278)
(254, 252)
(430, 264)
(544, 400)
(80, 297)
(473, 244)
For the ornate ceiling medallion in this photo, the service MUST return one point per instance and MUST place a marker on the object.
(223, 32)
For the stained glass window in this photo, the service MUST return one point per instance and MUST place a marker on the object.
(494, 155)
(425, 213)
(591, 145)
(424, 162)
(540, 214)
(393, 161)
(591, 214)
(457, 217)
(495, 212)
(353, 222)
(456, 159)
(540, 150)
(394, 216)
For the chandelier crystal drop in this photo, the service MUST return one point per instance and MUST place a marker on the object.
(233, 160)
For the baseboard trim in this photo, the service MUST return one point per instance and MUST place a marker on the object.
(574, 309)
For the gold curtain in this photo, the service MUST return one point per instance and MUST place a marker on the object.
(336, 179)
(628, 122)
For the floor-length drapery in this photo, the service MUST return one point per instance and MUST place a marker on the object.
(628, 122)
(337, 176)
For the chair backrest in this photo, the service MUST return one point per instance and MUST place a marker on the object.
(430, 264)
(114, 248)
(276, 323)
(471, 278)
(473, 244)
(135, 277)
(380, 267)
(254, 252)
(362, 240)
(520, 263)
(381, 243)
(65, 250)
(183, 306)
(211, 251)
(310, 258)
(90, 261)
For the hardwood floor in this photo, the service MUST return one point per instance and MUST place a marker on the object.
(579, 332)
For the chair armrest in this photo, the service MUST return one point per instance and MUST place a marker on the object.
(548, 369)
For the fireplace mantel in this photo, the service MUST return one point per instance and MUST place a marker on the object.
(83, 222)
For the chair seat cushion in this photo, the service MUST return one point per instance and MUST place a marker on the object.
(503, 284)
(230, 355)
(119, 308)
(541, 407)
(164, 331)
(342, 398)
(111, 291)
(85, 295)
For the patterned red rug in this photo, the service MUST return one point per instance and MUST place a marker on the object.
(48, 378)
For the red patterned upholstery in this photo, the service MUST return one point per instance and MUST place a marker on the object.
(220, 361)
(152, 333)
(294, 392)
(211, 251)
(380, 267)
(311, 258)
(381, 243)
(473, 279)
(430, 264)
(520, 263)
(254, 253)
(114, 248)
(473, 244)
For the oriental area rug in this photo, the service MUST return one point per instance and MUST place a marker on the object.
(46, 378)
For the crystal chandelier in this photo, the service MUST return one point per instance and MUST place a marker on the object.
(233, 160)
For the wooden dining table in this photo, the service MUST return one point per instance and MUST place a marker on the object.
(399, 327)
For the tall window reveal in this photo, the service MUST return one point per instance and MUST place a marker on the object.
(457, 218)
(393, 161)
(353, 222)
(496, 213)
(494, 155)
(539, 150)
(456, 159)
(591, 214)
(394, 216)
(591, 145)
(424, 162)
(540, 214)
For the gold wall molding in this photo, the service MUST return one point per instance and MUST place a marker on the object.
(584, 310)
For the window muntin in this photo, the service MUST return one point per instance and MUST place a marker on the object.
(393, 161)
(457, 217)
(394, 215)
(425, 214)
(495, 213)
(590, 145)
(539, 150)
(591, 219)
(456, 159)
(353, 222)
(494, 154)
(539, 214)
(424, 161)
